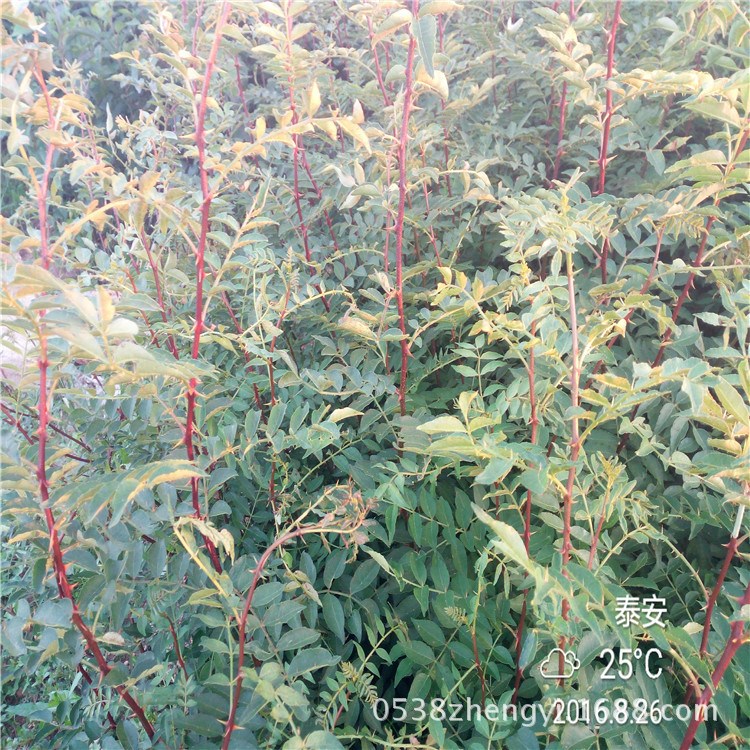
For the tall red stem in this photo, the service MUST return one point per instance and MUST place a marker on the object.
(575, 438)
(200, 265)
(735, 640)
(527, 514)
(667, 337)
(297, 149)
(734, 543)
(563, 110)
(242, 625)
(65, 589)
(403, 138)
(607, 124)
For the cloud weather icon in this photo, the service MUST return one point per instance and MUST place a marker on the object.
(551, 670)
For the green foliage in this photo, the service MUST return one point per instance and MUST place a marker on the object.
(209, 315)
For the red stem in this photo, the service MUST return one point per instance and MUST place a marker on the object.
(200, 140)
(319, 195)
(644, 289)
(608, 107)
(688, 284)
(607, 126)
(563, 109)
(430, 228)
(299, 147)
(527, 514)
(64, 587)
(178, 651)
(734, 543)
(159, 295)
(478, 665)
(378, 69)
(404, 135)
(731, 549)
(241, 92)
(735, 640)
(696, 263)
(575, 439)
(242, 626)
(50, 424)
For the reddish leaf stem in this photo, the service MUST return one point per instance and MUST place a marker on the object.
(319, 195)
(159, 295)
(732, 546)
(241, 92)
(378, 69)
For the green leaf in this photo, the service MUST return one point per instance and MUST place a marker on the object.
(528, 649)
(425, 29)
(496, 470)
(364, 575)
(733, 402)
(55, 613)
(509, 540)
(396, 20)
(333, 614)
(442, 424)
(296, 639)
(310, 660)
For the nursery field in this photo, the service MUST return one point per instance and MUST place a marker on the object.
(375, 375)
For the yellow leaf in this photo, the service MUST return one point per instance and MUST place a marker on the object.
(313, 99)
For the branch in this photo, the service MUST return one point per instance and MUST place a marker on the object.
(735, 640)
(607, 125)
(200, 140)
(399, 228)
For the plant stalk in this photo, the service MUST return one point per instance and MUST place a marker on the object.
(399, 227)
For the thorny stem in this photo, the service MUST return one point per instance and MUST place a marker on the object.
(65, 589)
(200, 140)
(241, 92)
(646, 285)
(178, 651)
(689, 283)
(404, 135)
(575, 439)
(300, 531)
(378, 69)
(607, 125)
(527, 513)
(17, 415)
(735, 640)
(159, 295)
(430, 228)
(698, 260)
(299, 148)
(319, 195)
(563, 110)
(734, 543)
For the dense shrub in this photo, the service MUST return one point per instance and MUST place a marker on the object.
(372, 351)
